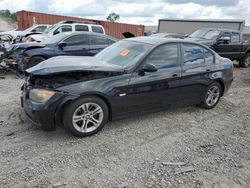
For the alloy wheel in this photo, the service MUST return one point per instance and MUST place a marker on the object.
(213, 95)
(87, 117)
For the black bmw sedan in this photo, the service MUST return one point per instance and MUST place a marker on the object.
(131, 77)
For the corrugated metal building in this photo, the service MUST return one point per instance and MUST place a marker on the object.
(188, 26)
(26, 19)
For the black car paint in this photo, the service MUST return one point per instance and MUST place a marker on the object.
(129, 93)
(233, 51)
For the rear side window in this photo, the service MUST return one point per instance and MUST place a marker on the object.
(193, 54)
(209, 57)
(97, 29)
(77, 40)
(165, 56)
(111, 41)
(97, 40)
(81, 28)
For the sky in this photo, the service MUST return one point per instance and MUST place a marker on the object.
(145, 12)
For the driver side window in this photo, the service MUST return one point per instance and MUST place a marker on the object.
(165, 56)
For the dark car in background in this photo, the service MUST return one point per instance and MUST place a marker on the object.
(226, 42)
(131, 77)
(170, 35)
(74, 44)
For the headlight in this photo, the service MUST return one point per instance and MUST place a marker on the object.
(40, 95)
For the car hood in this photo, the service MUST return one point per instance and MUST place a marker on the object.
(39, 37)
(61, 64)
(206, 42)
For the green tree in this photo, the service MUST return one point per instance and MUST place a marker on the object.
(113, 17)
(8, 15)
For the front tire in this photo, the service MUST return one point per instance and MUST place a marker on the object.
(85, 116)
(212, 96)
(245, 62)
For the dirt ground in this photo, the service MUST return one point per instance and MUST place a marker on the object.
(184, 147)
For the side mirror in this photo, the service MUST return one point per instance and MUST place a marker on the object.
(34, 30)
(224, 40)
(149, 68)
(62, 44)
(56, 32)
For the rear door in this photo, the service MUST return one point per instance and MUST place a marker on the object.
(155, 90)
(97, 43)
(194, 73)
(76, 45)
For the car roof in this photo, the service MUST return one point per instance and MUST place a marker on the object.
(158, 40)
(86, 32)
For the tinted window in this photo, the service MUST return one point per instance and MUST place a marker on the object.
(97, 40)
(64, 28)
(209, 57)
(193, 54)
(77, 40)
(164, 56)
(111, 41)
(97, 29)
(81, 28)
(235, 38)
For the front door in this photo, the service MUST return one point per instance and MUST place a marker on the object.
(77, 45)
(232, 49)
(155, 90)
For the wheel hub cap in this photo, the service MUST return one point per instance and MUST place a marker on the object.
(87, 117)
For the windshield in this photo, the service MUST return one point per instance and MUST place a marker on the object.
(50, 28)
(30, 28)
(205, 34)
(55, 38)
(123, 53)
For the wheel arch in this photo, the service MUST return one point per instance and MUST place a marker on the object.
(65, 102)
(220, 81)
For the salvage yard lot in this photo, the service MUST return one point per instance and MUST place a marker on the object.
(213, 145)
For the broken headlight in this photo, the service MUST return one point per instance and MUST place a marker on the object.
(40, 95)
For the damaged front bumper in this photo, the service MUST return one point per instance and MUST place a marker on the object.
(45, 115)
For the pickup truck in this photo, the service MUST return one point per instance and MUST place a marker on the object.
(227, 43)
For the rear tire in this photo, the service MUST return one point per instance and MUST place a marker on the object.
(35, 60)
(212, 96)
(85, 116)
(245, 62)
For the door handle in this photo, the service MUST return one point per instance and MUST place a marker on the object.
(174, 75)
(208, 70)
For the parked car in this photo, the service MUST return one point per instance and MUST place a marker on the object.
(131, 77)
(67, 26)
(27, 55)
(17, 36)
(227, 43)
(170, 35)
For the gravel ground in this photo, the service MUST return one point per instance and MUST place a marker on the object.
(184, 147)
